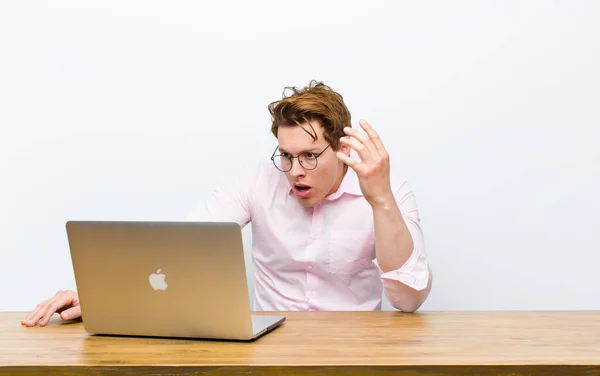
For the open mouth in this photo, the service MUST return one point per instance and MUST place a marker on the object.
(302, 190)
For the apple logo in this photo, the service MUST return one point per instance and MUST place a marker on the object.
(157, 280)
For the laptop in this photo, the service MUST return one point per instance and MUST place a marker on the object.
(164, 279)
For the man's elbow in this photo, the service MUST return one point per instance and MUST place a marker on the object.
(409, 305)
(412, 302)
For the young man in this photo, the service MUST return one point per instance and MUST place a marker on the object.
(329, 231)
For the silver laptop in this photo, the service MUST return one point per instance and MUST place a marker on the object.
(164, 279)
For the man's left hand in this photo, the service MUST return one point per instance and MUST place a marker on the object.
(373, 169)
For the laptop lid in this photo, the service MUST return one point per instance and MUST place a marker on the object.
(172, 279)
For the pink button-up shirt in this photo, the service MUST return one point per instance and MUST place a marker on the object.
(321, 258)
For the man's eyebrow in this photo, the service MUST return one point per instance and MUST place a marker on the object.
(313, 150)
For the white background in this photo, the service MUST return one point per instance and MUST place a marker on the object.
(135, 110)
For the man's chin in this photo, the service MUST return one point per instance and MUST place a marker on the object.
(309, 202)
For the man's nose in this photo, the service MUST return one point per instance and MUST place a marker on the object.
(297, 169)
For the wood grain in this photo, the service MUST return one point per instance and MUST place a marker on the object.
(427, 343)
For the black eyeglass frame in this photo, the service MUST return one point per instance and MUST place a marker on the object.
(291, 158)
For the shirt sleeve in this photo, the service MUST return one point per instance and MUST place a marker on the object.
(415, 272)
(229, 203)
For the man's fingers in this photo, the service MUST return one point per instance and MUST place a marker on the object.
(50, 310)
(353, 163)
(35, 316)
(374, 137)
(31, 320)
(28, 318)
(363, 139)
(58, 303)
(62, 301)
(360, 148)
(45, 319)
(71, 313)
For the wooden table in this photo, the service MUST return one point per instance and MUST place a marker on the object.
(344, 343)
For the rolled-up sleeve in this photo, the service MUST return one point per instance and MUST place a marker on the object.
(415, 272)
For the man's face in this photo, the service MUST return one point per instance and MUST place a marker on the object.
(311, 186)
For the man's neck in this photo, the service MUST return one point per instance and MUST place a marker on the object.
(338, 183)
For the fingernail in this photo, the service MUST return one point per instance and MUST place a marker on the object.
(65, 315)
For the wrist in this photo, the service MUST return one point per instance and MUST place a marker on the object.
(384, 202)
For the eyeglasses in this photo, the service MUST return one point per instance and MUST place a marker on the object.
(308, 160)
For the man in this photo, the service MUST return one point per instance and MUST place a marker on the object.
(329, 231)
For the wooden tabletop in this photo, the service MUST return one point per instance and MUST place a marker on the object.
(429, 343)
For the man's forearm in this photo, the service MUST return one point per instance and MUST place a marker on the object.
(393, 246)
(393, 242)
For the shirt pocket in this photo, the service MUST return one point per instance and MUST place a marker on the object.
(350, 251)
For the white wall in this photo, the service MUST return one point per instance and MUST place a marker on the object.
(135, 110)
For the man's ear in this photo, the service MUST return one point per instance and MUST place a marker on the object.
(345, 149)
